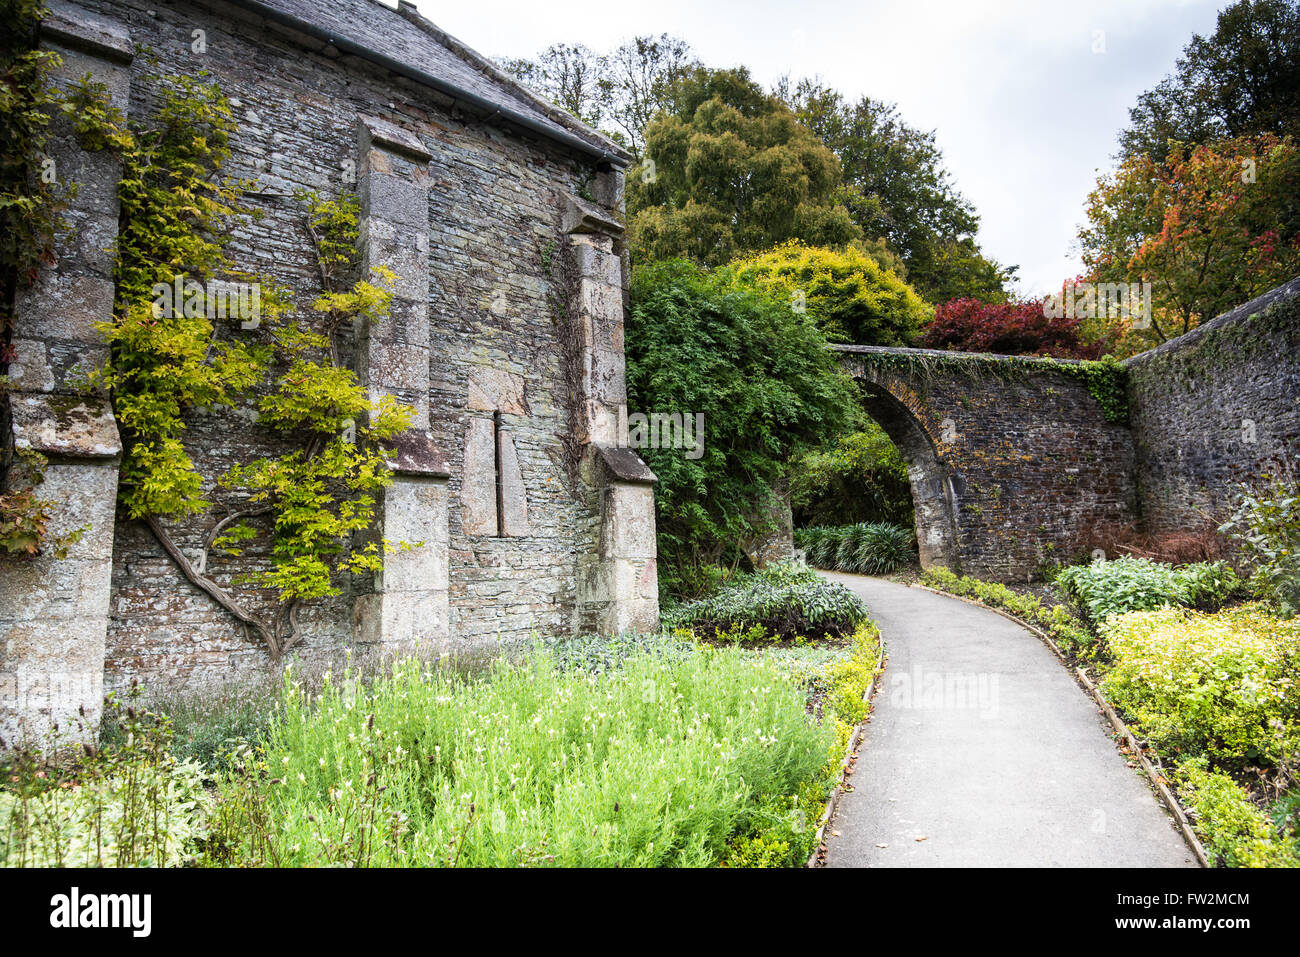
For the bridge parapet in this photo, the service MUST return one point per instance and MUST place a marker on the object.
(1012, 460)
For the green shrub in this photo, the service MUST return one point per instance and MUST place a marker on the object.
(861, 478)
(658, 762)
(207, 724)
(1234, 830)
(1069, 632)
(785, 601)
(129, 804)
(1139, 584)
(761, 376)
(1226, 684)
(1267, 527)
(868, 548)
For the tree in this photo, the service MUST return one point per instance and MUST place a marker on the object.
(848, 294)
(896, 187)
(619, 92)
(730, 170)
(1243, 80)
(1012, 329)
(569, 75)
(1210, 227)
(641, 76)
(761, 375)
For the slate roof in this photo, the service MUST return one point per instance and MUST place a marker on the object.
(408, 38)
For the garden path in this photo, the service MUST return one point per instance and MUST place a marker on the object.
(983, 751)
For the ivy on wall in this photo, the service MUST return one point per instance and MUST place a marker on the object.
(1106, 379)
(308, 503)
(309, 506)
(31, 203)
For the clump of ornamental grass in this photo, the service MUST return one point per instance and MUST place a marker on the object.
(867, 548)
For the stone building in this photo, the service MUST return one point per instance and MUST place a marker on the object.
(501, 216)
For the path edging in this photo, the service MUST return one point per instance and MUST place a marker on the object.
(855, 739)
(1127, 737)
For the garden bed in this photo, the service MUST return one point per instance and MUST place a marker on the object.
(650, 750)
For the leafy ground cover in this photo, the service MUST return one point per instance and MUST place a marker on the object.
(782, 602)
(1139, 584)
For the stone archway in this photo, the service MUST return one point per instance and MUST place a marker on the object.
(1011, 461)
(933, 494)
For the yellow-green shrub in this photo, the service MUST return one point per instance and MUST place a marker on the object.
(846, 292)
(850, 678)
(1233, 829)
(1224, 684)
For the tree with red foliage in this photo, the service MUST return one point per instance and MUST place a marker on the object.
(1013, 329)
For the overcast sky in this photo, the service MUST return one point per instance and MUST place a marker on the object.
(1026, 96)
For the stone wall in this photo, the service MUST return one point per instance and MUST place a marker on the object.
(1013, 462)
(54, 610)
(1216, 407)
(1009, 466)
(475, 215)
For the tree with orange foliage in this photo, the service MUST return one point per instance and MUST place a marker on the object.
(1210, 227)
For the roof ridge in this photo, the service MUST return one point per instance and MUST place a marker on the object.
(409, 12)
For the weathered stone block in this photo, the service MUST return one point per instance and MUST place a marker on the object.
(478, 490)
(513, 499)
(415, 514)
(496, 390)
(597, 263)
(582, 216)
(629, 521)
(404, 250)
(397, 201)
(30, 369)
(64, 425)
(608, 377)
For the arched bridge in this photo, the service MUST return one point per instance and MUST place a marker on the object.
(1013, 461)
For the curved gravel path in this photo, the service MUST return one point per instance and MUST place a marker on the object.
(983, 751)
